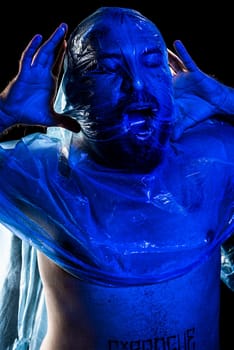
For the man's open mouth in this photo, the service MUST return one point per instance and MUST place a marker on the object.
(140, 120)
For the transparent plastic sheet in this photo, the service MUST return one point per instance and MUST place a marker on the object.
(62, 220)
(227, 262)
(101, 259)
(23, 318)
(94, 53)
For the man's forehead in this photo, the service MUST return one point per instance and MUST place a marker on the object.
(125, 36)
(116, 30)
(115, 25)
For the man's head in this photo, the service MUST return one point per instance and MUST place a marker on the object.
(118, 85)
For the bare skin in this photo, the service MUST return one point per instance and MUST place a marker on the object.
(67, 322)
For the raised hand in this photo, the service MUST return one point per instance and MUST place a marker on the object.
(198, 96)
(29, 97)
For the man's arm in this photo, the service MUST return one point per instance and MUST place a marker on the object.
(28, 98)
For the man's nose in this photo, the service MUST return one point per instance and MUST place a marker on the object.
(133, 82)
(137, 83)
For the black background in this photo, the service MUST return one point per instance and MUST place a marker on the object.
(206, 30)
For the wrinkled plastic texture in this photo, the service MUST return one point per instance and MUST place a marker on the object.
(23, 320)
(99, 58)
(145, 228)
(227, 262)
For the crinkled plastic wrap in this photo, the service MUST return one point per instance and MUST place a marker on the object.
(227, 262)
(109, 227)
(96, 54)
(83, 55)
(23, 320)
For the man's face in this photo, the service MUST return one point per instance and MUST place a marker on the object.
(124, 86)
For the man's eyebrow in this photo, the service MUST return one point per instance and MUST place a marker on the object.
(151, 50)
(109, 54)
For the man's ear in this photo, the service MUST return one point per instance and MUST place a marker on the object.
(175, 63)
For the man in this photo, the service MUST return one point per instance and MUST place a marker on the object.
(128, 201)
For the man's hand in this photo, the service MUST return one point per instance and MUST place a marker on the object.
(29, 97)
(198, 96)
